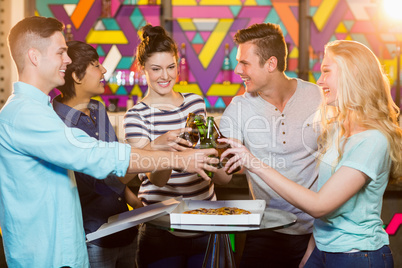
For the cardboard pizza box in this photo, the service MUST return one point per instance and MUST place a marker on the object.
(256, 207)
(134, 217)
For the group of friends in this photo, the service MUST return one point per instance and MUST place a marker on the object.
(323, 152)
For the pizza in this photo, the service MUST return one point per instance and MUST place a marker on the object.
(218, 211)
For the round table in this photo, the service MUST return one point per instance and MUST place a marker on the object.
(272, 219)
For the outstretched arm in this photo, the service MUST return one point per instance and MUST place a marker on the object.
(342, 185)
(132, 199)
(170, 141)
(192, 161)
(310, 248)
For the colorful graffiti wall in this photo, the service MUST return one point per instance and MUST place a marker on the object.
(205, 26)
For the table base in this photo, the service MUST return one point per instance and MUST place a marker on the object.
(213, 250)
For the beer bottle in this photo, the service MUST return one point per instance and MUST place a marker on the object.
(226, 70)
(221, 147)
(208, 140)
(183, 66)
(68, 35)
(191, 136)
(200, 129)
(197, 124)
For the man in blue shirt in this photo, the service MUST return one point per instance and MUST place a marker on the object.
(40, 212)
(100, 199)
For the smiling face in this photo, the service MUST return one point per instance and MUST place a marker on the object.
(53, 61)
(92, 84)
(328, 80)
(248, 67)
(161, 72)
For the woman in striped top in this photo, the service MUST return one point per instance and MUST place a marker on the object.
(156, 123)
(143, 124)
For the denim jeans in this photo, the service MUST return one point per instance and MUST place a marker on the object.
(381, 258)
(118, 257)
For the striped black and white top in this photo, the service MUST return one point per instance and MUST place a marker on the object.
(143, 121)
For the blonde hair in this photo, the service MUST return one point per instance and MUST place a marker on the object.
(364, 98)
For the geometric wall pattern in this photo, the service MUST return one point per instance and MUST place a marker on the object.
(205, 26)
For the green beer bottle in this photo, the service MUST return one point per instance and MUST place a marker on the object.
(221, 147)
(199, 130)
(208, 140)
(191, 136)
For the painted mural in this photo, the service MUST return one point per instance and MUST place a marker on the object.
(205, 26)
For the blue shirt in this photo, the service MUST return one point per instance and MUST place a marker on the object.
(100, 199)
(356, 224)
(40, 212)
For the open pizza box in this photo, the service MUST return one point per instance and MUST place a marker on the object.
(134, 217)
(175, 207)
(255, 207)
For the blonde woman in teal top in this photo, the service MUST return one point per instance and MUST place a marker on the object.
(360, 148)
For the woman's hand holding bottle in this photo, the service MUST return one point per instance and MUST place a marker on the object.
(241, 156)
(171, 141)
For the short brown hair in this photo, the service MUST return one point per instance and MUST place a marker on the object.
(269, 40)
(29, 33)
